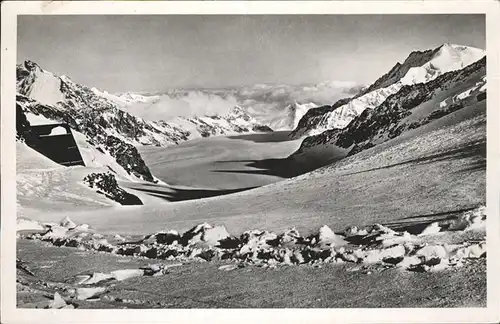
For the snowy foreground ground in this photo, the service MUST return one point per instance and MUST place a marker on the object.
(310, 241)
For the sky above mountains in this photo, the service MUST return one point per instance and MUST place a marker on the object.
(154, 53)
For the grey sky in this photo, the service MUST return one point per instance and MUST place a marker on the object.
(135, 53)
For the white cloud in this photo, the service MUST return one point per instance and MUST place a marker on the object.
(262, 100)
(192, 103)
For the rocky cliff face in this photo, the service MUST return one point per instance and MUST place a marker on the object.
(409, 108)
(314, 117)
(419, 67)
(88, 112)
(113, 130)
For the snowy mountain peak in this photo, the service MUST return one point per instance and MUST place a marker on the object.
(446, 58)
(419, 67)
(457, 47)
(409, 108)
(131, 97)
(30, 65)
(39, 84)
(297, 110)
(465, 55)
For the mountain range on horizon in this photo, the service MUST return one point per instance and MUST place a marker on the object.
(426, 86)
(102, 119)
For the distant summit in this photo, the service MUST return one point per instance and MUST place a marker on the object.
(297, 110)
(419, 67)
(428, 86)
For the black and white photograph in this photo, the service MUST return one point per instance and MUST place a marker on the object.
(250, 161)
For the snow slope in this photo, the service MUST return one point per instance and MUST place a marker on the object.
(411, 107)
(437, 167)
(42, 182)
(408, 176)
(419, 67)
(46, 89)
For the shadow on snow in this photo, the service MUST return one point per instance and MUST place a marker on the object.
(177, 194)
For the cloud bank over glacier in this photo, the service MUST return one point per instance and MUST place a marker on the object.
(186, 104)
(268, 101)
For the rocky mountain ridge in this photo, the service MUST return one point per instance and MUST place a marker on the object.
(409, 108)
(115, 131)
(419, 67)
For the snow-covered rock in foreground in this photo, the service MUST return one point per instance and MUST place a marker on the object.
(228, 267)
(195, 234)
(88, 293)
(375, 245)
(59, 303)
(213, 235)
(126, 274)
(473, 219)
(291, 235)
(254, 240)
(355, 231)
(28, 225)
(327, 237)
(95, 278)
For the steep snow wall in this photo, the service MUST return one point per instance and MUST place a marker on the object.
(46, 88)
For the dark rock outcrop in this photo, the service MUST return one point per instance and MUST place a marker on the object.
(127, 156)
(262, 128)
(23, 129)
(106, 184)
